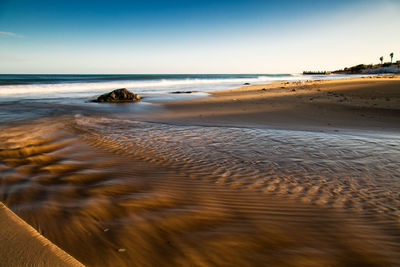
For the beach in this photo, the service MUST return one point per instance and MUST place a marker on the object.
(367, 103)
(289, 173)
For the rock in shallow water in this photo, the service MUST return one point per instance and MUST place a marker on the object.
(119, 95)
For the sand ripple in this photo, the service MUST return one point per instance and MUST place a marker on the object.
(114, 192)
(335, 170)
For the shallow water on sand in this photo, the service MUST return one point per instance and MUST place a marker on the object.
(120, 192)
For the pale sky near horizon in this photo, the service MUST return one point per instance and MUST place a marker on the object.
(195, 36)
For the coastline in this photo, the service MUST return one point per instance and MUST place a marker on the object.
(369, 103)
(77, 166)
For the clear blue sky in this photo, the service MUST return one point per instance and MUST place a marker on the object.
(248, 36)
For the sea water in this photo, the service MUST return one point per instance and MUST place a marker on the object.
(27, 96)
(87, 85)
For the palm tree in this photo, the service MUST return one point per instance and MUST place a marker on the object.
(391, 57)
(381, 59)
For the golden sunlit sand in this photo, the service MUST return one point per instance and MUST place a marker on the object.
(23, 245)
(202, 184)
(369, 103)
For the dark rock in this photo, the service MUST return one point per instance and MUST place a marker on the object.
(246, 84)
(118, 95)
(183, 92)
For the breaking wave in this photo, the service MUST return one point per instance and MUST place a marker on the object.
(73, 87)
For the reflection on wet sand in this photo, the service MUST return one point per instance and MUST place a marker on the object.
(113, 192)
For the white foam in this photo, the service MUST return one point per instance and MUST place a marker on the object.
(98, 86)
(149, 86)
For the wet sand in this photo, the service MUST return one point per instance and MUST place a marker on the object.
(202, 191)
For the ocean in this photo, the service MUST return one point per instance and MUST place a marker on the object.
(41, 86)
(28, 96)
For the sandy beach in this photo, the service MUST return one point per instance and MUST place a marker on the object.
(200, 133)
(281, 174)
(367, 103)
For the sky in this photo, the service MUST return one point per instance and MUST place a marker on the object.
(246, 36)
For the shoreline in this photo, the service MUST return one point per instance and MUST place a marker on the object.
(370, 103)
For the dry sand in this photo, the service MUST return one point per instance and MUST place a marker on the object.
(368, 103)
(22, 245)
